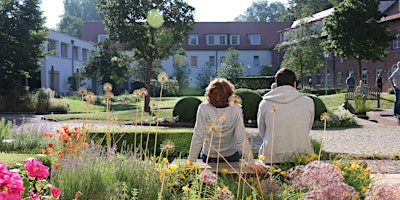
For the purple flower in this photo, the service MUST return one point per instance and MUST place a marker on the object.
(208, 177)
(383, 190)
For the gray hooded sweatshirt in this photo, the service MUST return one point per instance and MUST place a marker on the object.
(287, 116)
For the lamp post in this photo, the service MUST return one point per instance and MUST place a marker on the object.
(326, 55)
(72, 56)
(249, 67)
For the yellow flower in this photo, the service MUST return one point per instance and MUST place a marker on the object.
(261, 157)
(337, 164)
(188, 163)
(107, 87)
(283, 173)
(274, 108)
(185, 188)
(196, 166)
(363, 188)
(162, 78)
(249, 198)
(173, 167)
(278, 170)
(165, 160)
(181, 176)
(324, 116)
(354, 165)
(224, 170)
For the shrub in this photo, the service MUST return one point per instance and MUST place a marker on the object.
(250, 101)
(4, 128)
(319, 107)
(338, 117)
(59, 106)
(185, 110)
(44, 97)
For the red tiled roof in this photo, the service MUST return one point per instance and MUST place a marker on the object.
(268, 30)
(91, 30)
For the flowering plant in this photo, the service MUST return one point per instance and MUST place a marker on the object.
(29, 182)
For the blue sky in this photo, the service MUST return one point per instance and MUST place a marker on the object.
(206, 10)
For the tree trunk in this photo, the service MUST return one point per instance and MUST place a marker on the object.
(359, 70)
(149, 65)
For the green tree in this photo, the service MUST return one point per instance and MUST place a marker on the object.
(152, 29)
(363, 37)
(75, 13)
(260, 11)
(181, 70)
(22, 34)
(108, 63)
(231, 66)
(140, 67)
(203, 78)
(298, 9)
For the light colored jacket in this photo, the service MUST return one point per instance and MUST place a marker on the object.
(289, 124)
(223, 128)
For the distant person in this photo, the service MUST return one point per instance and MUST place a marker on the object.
(361, 89)
(379, 82)
(394, 80)
(290, 123)
(350, 82)
(219, 123)
(310, 82)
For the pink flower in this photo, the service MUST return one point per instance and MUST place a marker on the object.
(55, 192)
(36, 168)
(208, 177)
(3, 168)
(11, 186)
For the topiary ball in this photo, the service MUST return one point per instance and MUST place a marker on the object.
(250, 101)
(319, 107)
(185, 110)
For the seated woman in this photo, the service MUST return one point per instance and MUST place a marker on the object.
(219, 130)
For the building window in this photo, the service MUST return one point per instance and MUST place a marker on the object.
(235, 39)
(84, 55)
(364, 76)
(64, 50)
(396, 41)
(193, 60)
(210, 40)
(255, 39)
(101, 37)
(339, 78)
(75, 53)
(318, 79)
(193, 39)
(51, 46)
(222, 39)
(329, 79)
(256, 61)
(211, 61)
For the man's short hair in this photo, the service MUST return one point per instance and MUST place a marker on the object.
(285, 76)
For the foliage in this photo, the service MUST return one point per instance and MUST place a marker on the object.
(262, 11)
(298, 9)
(71, 25)
(364, 38)
(181, 70)
(319, 107)
(204, 78)
(108, 63)
(44, 97)
(254, 82)
(22, 36)
(360, 103)
(140, 68)
(267, 70)
(4, 128)
(152, 39)
(170, 88)
(231, 66)
(185, 109)
(75, 13)
(250, 101)
(337, 117)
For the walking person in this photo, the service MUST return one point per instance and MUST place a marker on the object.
(394, 80)
(350, 82)
(379, 82)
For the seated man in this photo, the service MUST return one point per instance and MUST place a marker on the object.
(285, 118)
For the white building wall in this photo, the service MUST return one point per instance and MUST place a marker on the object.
(247, 56)
(64, 67)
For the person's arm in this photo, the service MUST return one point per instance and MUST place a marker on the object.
(197, 138)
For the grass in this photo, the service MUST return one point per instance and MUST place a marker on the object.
(335, 100)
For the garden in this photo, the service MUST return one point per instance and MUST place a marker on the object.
(136, 162)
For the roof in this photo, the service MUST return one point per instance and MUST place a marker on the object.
(268, 30)
(92, 29)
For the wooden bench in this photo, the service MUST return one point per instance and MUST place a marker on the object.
(233, 167)
(371, 94)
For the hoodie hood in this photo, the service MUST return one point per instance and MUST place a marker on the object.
(282, 94)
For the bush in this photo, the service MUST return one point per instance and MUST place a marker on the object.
(338, 117)
(59, 106)
(319, 107)
(44, 97)
(185, 109)
(253, 83)
(250, 101)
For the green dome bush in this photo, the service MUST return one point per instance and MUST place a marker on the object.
(250, 101)
(319, 107)
(185, 110)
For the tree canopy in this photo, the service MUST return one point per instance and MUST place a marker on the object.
(22, 34)
(108, 63)
(354, 31)
(152, 29)
(231, 66)
(263, 11)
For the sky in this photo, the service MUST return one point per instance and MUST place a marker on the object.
(205, 10)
